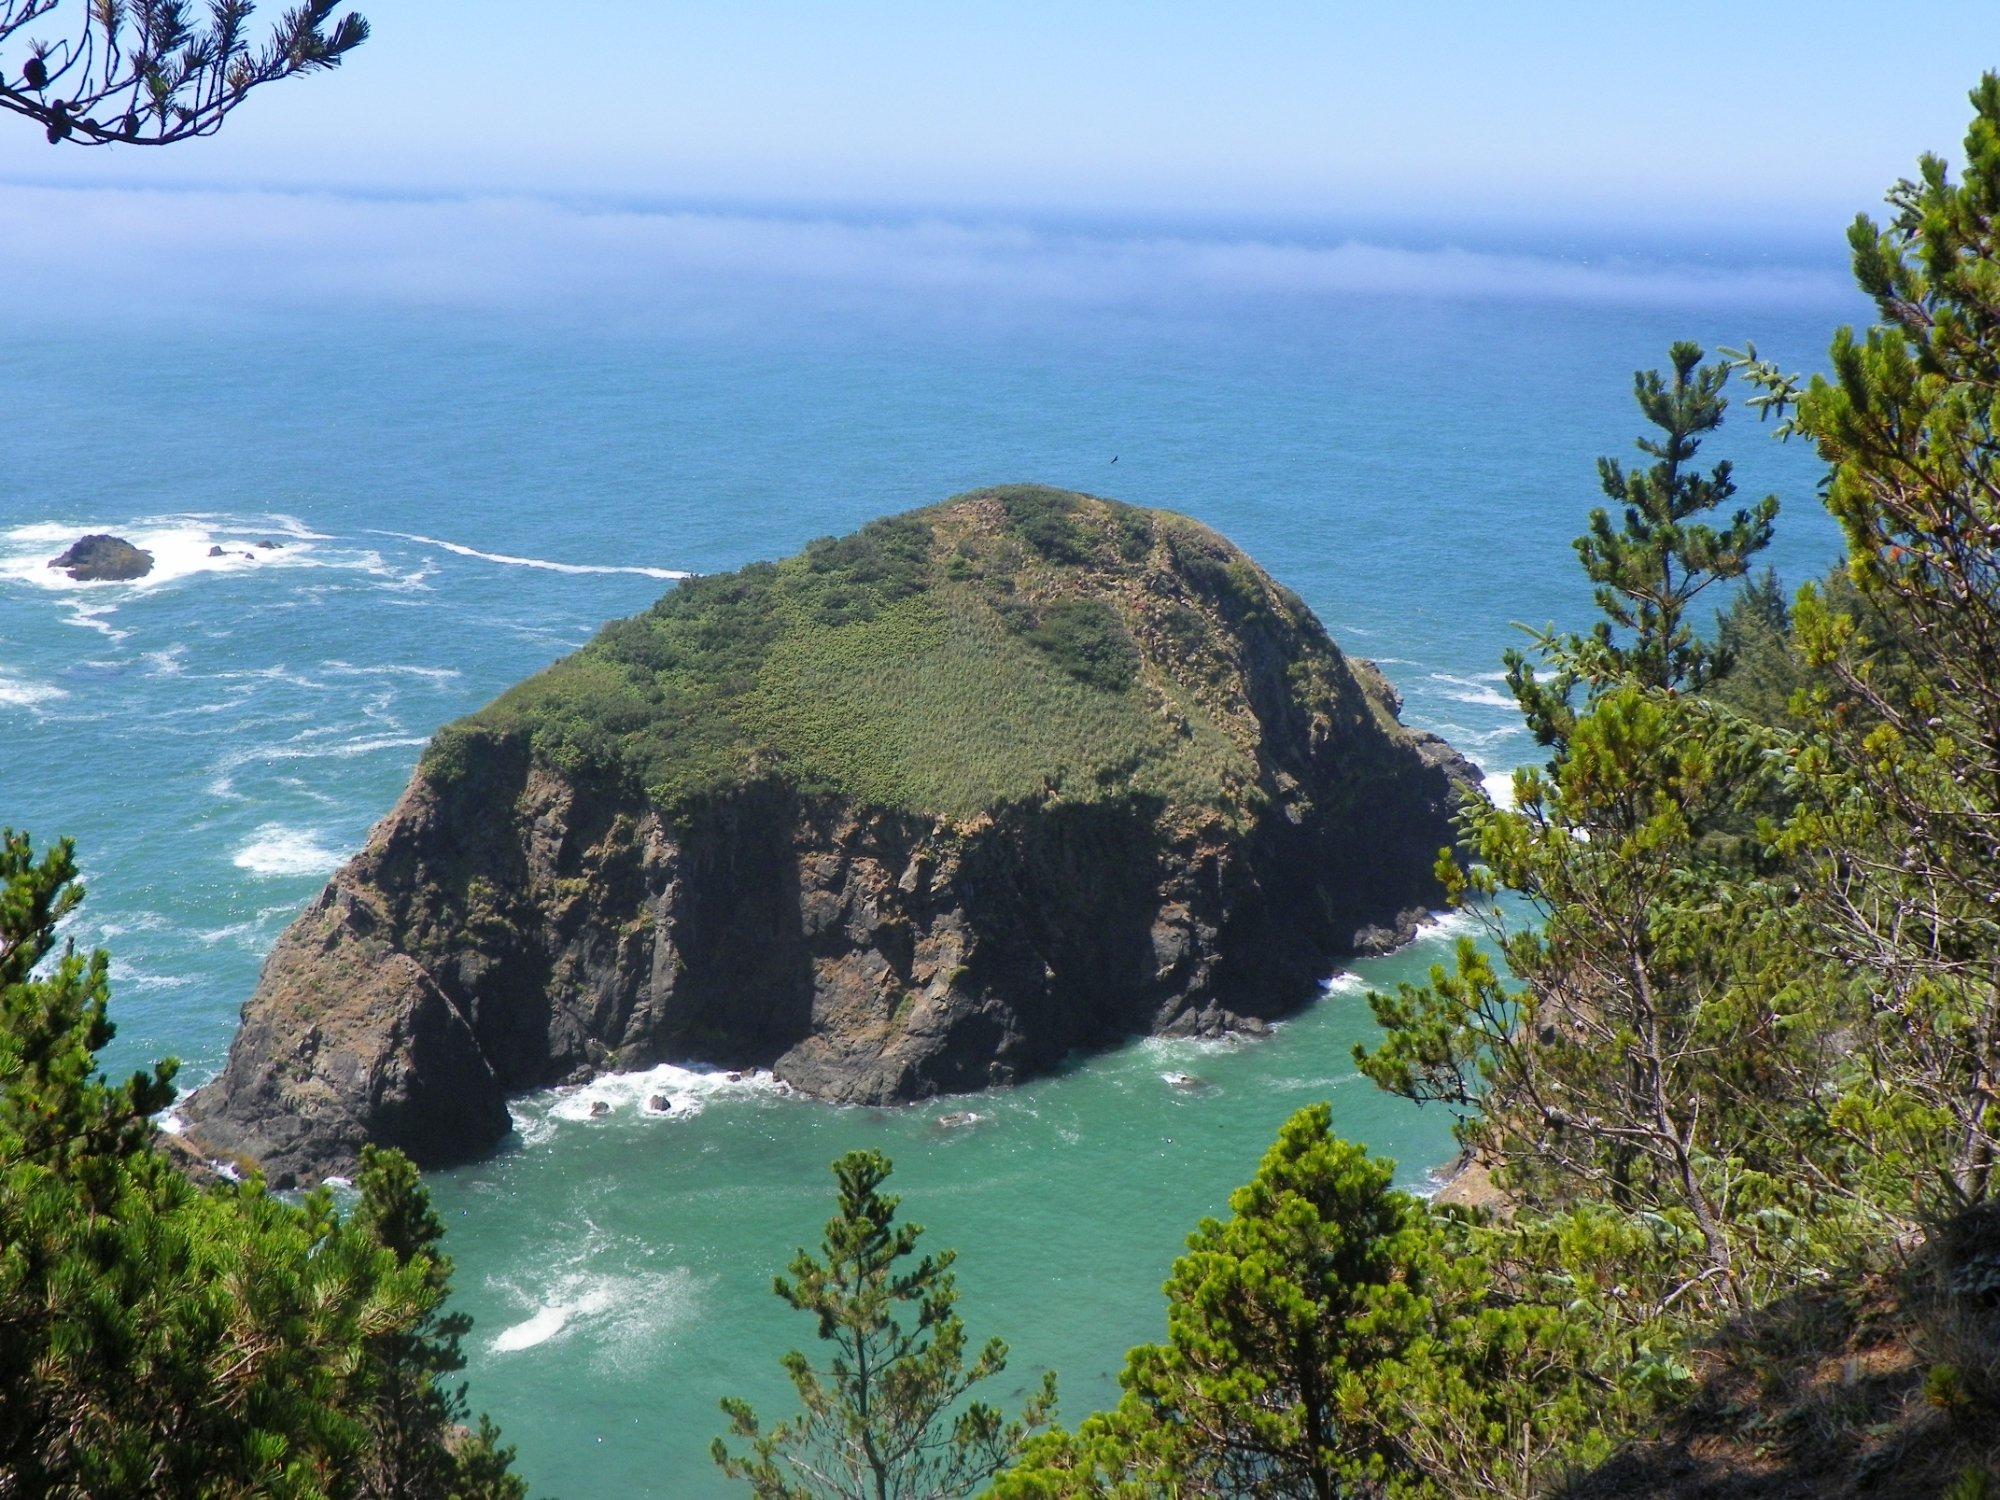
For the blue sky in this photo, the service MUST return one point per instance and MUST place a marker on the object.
(1535, 117)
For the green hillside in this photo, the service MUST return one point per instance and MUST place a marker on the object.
(1006, 644)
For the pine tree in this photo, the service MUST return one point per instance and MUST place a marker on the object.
(147, 75)
(887, 1418)
(1899, 776)
(1624, 1055)
(158, 1338)
(418, 1447)
(1648, 570)
(1331, 1338)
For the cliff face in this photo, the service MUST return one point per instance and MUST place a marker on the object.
(1223, 806)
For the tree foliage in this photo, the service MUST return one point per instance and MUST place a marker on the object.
(1333, 1337)
(147, 72)
(159, 1338)
(888, 1417)
(1899, 774)
(1650, 566)
(1627, 1052)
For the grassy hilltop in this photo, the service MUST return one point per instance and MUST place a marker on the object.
(1005, 644)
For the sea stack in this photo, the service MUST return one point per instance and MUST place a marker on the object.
(102, 558)
(919, 810)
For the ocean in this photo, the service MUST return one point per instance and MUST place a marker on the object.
(463, 478)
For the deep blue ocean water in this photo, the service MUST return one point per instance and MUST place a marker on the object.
(463, 493)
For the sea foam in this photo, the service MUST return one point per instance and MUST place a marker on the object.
(14, 693)
(511, 561)
(601, 1290)
(629, 1095)
(180, 546)
(276, 850)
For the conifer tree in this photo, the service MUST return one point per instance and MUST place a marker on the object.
(418, 1446)
(887, 1418)
(1615, 1058)
(1331, 1338)
(1899, 778)
(158, 1338)
(149, 74)
(1649, 567)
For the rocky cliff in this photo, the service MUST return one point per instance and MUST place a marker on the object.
(923, 809)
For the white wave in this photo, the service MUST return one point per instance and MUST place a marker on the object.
(181, 547)
(623, 1311)
(223, 783)
(536, 562)
(687, 1090)
(539, 1329)
(439, 675)
(91, 617)
(1156, 1050)
(1347, 982)
(277, 850)
(15, 693)
(1477, 691)
(1448, 926)
(1499, 786)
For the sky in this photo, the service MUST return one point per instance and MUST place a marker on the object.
(1537, 118)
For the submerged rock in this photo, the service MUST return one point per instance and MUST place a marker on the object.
(102, 558)
(919, 811)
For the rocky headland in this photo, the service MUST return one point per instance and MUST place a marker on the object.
(919, 810)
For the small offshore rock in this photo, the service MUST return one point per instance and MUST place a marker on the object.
(270, 546)
(217, 552)
(102, 558)
(957, 1119)
(598, 1109)
(660, 1104)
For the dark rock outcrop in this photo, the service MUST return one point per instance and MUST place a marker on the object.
(102, 558)
(518, 921)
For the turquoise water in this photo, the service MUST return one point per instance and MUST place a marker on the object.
(461, 496)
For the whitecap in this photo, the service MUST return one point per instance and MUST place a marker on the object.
(623, 1313)
(546, 1323)
(1499, 787)
(1449, 926)
(181, 546)
(15, 693)
(275, 850)
(1173, 1049)
(1346, 982)
(1476, 691)
(544, 564)
(91, 617)
(687, 1090)
(438, 675)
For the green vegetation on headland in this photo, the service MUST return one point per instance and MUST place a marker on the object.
(1728, 1220)
(992, 649)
